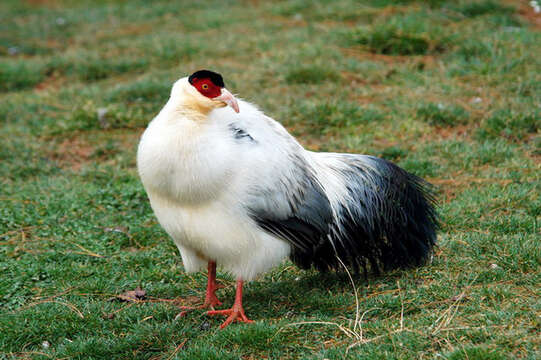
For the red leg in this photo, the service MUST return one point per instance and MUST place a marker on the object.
(210, 298)
(236, 313)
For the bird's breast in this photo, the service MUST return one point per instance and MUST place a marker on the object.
(184, 166)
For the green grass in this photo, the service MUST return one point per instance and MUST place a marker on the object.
(447, 89)
(442, 115)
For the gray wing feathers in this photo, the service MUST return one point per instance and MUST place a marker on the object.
(306, 222)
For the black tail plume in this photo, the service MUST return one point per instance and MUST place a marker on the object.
(387, 221)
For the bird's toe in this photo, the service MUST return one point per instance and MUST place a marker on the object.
(233, 314)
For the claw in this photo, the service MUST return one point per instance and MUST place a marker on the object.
(236, 313)
(232, 314)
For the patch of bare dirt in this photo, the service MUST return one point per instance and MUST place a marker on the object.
(50, 83)
(425, 61)
(526, 11)
(456, 183)
(80, 149)
(73, 153)
(124, 31)
(43, 2)
(459, 131)
(289, 21)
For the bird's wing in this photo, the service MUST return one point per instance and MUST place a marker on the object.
(294, 207)
(278, 186)
(334, 209)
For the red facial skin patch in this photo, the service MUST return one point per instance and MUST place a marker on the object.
(207, 88)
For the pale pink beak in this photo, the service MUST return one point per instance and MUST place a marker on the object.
(229, 99)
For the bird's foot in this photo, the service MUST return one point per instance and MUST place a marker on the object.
(236, 313)
(211, 301)
(210, 298)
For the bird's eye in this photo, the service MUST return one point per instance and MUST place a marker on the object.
(204, 87)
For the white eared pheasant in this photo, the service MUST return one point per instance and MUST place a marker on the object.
(233, 188)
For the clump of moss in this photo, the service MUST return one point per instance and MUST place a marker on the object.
(393, 153)
(19, 75)
(394, 43)
(443, 115)
(311, 75)
(511, 125)
(474, 9)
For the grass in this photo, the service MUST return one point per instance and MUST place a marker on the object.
(439, 114)
(448, 90)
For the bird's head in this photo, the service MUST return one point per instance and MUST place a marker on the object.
(204, 90)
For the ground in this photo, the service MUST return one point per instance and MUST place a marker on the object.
(448, 90)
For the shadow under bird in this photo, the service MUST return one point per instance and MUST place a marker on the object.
(233, 188)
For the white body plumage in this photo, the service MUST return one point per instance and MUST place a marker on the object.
(197, 176)
(239, 190)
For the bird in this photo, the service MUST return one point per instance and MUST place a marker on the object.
(234, 189)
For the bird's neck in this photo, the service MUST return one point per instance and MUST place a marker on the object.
(182, 121)
(187, 106)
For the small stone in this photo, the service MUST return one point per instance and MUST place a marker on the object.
(117, 229)
(459, 297)
(132, 295)
(13, 50)
(102, 117)
(289, 314)
(140, 293)
(101, 113)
